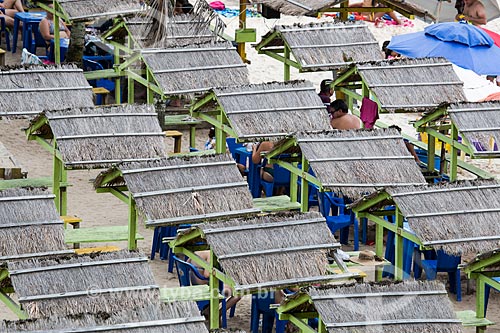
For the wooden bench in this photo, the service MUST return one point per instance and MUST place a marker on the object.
(9, 168)
(177, 139)
(98, 235)
(101, 94)
(2, 57)
(175, 121)
(87, 250)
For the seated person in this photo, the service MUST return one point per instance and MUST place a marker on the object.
(326, 93)
(409, 146)
(266, 172)
(227, 292)
(9, 10)
(47, 28)
(374, 17)
(388, 53)
(340, 117)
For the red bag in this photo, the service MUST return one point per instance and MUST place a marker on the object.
(218, 5)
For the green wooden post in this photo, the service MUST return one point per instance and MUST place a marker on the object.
(213, 284)
(58, 176)
(431, 152)
(192, 136)
(220, 136)
(379, 249)
(293, 184)
(321, 326)
(63, 190)
(454, 154)
(150, 92)
(343, 13)
(287, 66)
(132, 223)
(130, 81)
(366, 90)
(480, 286)
(304, 188)
(57, 35)
(398, 240)
(13, 306)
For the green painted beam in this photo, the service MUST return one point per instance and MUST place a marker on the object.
(216, 123)
(144, 82)
(304, 328)
(428, 118)
(181, 240)
(481, 265)
(392, 227)
(351, 71)
(110, 177)
(13, 306)
(98, 234)
(103, 74)
(302, 174)
(130, 61)
(266, 41)
(281, 58)
(291, 142)
(290, 305)
(368, 203)
(24, 182)
(121, 24)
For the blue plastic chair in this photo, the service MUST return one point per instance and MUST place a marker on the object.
(232, 145)
(281, 177)
(3, 28)
(487, 294)
(445, 263)
(185, 270)
(339, 218)
(90, 65)
(260, 307)
(37, 40)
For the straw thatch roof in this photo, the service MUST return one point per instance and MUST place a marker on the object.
(30, 224)
(29, 90)
(478, 122)
(101, 136)
(412, 306)
(325, 46)
(104, 282)
(412, 85)
(489, 266)
(85, 10)
(177, 317)
(181, 30)
(356, 161)
(300, 7)
(178, 190)
(271, 110)
(271, 249)
(461, 218)
(196, 68)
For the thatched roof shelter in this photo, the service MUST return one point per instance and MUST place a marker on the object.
(182, 30)
(101, 136)
(177, 317)
(452, 216)
(411, 85)
(324, 46)
(85, 10)
(104, 282)
(412, 306)
(270, 110)
(271, 251)
(301, 7)
(184, 190)
(196, 68)
(479, 123)
(356, 161)
(30, 90)
(487, 262)
(30, 225)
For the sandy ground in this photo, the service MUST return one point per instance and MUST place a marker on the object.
(105, 209)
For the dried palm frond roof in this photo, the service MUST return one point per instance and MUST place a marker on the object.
(271, 251)
(325, 46)
(271, 110)
(412, 85)
(101, 136)
(453, 216)
(181, 30)
(102, 282)
(410, 306)
(30, 90)
(177, 317)
(487, 265)
(300, 7)
(479, 123)
(179, 190)
(83, 10)
(356, 161)
(196, 68)
(30, 225)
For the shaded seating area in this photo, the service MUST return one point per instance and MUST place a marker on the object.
(415, 306)
(320, 46)
(162, 318)
(96, 138)
(244, 253)
(471, 128)
(26, 91)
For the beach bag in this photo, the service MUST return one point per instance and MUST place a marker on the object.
(217, 5)
(30, 58)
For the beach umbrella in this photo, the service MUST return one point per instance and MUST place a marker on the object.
(445, 11)
(462, 44)
(493, 35)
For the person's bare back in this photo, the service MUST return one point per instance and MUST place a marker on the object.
(345, 122)
(474, 12)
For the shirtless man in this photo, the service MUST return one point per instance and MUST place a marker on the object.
(341, 119)
(374, 16)
(474, 12)
(11, 7)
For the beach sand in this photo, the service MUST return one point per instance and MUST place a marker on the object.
(105, 209)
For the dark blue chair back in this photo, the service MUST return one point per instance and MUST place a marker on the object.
(3, 29)
(232, 145)
(281, 177)
(36, 39)
(184, 270)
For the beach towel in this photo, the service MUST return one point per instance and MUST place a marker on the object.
(217, 5)
(368, 112)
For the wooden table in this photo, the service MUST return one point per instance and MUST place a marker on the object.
(174, 121)
(177, 139)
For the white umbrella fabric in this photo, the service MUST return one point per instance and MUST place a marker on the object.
(445, 11)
